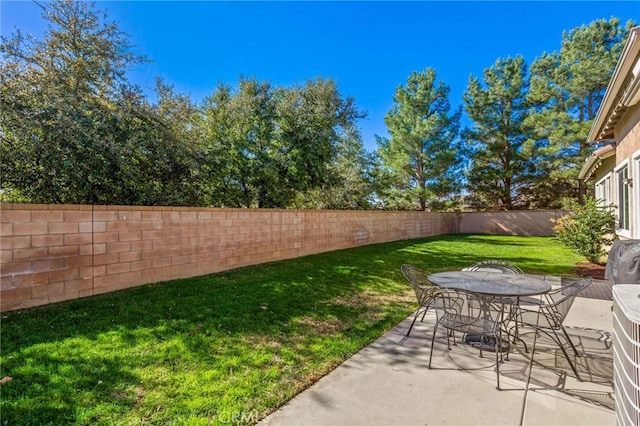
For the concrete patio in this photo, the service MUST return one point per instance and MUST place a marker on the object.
(388, 382)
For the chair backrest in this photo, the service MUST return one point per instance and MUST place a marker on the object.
(555, 306)
(494, 266)
(415, 274)
(560, 301)
(468, 312)
(450, 302)
(418, 280)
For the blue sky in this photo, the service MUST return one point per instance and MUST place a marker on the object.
(369, 48)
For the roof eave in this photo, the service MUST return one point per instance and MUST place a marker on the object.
(615, 102)
(594, 160)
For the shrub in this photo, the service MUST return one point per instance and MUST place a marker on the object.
(588, 231)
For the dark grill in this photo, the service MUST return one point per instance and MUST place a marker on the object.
(623, 264)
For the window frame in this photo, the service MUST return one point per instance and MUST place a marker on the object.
(603, 190)
(635, 197)
(621, 199)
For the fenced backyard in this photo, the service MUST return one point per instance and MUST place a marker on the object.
(189, 351)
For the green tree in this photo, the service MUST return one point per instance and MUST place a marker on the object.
(165, 153)
(269, 144)
(311, 121)
(217, 175)
(589, 231)
(350, 183)
(503, 156)
(253, 150)
(61, 100)
(567, 88)
(421, 157)
(246, 161)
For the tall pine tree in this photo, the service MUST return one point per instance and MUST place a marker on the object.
(503, 156)
(567, 88)
(421, 155)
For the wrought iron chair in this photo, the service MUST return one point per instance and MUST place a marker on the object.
(470, 314)
(549, 315)
(425, 291)
(494, 265)
(499, 266)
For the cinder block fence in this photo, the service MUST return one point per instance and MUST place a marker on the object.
(51, 253)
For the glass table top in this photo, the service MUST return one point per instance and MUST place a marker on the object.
(492, 283)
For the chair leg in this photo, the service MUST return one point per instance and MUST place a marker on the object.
(558, 342)
(569, 340)
(573, 367)
(424, 313)
(516, 338)
(516, 335)
(566, 355)
(433, 338)
(516, 310)
(498, 348)
(415, 317)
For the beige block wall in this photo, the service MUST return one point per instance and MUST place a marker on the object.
(527, 223)
(51, 253)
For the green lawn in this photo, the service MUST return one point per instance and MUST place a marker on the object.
(226, 347)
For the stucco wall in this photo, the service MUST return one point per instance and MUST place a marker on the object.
(627, 133)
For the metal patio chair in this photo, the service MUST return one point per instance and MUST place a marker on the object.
(498, 266)
(548, 314)
(425, 290)
(494, 265)
(472, 315)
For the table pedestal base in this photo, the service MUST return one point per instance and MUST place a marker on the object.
(485, 343)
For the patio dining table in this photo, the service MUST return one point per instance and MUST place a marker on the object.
(495, 286)
(491, 283)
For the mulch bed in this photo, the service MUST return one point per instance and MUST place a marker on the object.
(587, 269)
(601, 288)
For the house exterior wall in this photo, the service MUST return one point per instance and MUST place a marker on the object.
(629, 152)
(627, 133)
(51, 253)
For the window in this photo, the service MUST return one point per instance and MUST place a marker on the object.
(603, 191)
(623, 198)
(635, 197)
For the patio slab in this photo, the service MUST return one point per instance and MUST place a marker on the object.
(388, 382)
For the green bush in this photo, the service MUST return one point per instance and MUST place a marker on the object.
(588, 231)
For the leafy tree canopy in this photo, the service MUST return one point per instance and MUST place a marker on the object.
(74, 130)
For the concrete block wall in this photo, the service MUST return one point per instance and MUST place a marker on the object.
(51, 253)
(519, 222)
